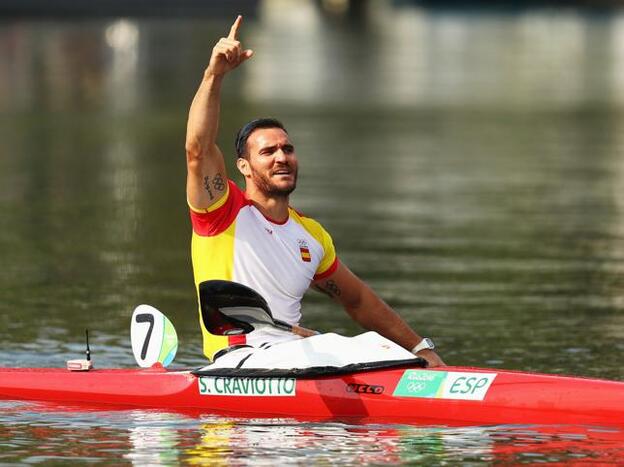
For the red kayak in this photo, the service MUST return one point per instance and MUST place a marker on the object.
(447, 396)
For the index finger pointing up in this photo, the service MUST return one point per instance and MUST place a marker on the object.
(234, 29)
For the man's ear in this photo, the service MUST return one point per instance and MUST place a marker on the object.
(243, 166)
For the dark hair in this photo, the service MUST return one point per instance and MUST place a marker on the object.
(249, 128)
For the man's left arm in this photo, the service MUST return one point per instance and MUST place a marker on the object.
(370, 311)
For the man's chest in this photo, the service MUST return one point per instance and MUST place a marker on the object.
(286, 251)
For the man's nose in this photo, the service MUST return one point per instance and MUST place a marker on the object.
(280, 155)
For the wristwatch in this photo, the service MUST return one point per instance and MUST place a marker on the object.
(426, 343)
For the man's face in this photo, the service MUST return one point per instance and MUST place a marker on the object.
(272, 161)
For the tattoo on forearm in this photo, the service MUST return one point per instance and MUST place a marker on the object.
(207, 187)
(332, 288)
(329, 288)
(217, 183)
(318, 288)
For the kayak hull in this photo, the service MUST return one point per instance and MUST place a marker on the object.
(447, 396)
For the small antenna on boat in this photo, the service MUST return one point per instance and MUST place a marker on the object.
(82, 365)
(88, 351)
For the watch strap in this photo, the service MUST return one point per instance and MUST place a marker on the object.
(424, 344)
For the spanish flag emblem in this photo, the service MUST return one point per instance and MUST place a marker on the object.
(305, 253)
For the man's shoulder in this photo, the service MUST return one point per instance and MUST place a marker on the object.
(299, 215)
(329, 260)
(308, 223)
(218, 217)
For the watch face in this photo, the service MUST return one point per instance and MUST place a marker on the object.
(429, 342)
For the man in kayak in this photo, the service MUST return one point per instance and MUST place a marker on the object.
(255, 237)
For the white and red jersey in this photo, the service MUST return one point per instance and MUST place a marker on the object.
(233, 240)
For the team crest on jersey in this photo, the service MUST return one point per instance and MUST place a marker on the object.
(304, 250)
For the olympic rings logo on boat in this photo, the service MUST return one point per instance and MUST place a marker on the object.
(416, 387)
(365, 388)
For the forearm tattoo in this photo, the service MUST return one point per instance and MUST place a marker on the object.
(318, 288)
(329, 288)
(332, 288)
(216, 184)
(207, 187)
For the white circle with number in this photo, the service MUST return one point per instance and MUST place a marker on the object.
(153, 337)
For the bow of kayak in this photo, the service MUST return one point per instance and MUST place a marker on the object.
(449, 396)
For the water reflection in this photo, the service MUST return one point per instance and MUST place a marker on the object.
(490, 209)
(409, 56)
(152, 441)
(123, 82)
(469, 167)
(150, 437)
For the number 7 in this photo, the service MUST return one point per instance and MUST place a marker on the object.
(146, 318)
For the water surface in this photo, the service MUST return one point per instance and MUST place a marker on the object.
(469, 167)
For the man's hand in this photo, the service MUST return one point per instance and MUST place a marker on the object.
(432, 358)
(227, 54)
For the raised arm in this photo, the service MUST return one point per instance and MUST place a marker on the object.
(206, 175)
(371, 312)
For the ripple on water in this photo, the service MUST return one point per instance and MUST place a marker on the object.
(49, 433)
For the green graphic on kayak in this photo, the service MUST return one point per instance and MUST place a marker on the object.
(444, 384)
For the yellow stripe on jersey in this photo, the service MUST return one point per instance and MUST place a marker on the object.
(213, 258)
(320, 235)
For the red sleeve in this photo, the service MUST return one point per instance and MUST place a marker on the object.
(328, 272)
(213, 222)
